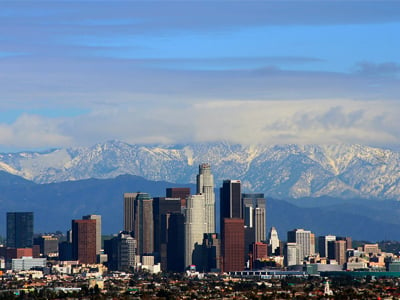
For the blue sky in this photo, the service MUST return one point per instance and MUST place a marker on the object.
(274, 72)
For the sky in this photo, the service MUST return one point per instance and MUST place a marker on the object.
(75, 73)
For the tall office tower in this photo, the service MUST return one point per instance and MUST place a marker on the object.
(84, 241)
(144, 224)
(254, 218)
(176, 243)
(230, 201)
(291, 254)
(129, 211)
(303, 240)
(211, 252)
(162, 209)
(205, 185)
(121, 252)
(182, 193)
(340, 251)
(273, 240)
(323, 244)
(233, 244)
(195, 227)
(98, 230)
(19, 229)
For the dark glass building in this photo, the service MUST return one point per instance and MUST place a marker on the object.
(230, 201)
(176, 243)
(19, 229)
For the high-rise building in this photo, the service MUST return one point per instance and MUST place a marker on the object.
(340, 251)
(176, 192)
(195, 228)
(205, 186)
(129, 211)
(291, 254)
(254, 215)
(144, 224)
(19, 229)
(211, 252)
(121, 252)
(98, 230)
(84, 241)
(162, 209)
(230, 203)
(273, 240)
(48, 245)
(303, 240)
(323, 245)
(233, 244)
(176, 243)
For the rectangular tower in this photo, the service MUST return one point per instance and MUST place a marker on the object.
(98, 230)
(129, 211)
(233, 245)
(205, 186)
(19, 229)
(84, 241)
(231, 204)
(144, 224)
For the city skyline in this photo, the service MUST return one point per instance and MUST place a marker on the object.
(74, 73)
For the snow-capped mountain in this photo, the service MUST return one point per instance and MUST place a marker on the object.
(280, 171)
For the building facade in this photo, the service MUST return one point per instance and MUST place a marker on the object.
(233, 244)
(84, 241)
(19, 229)
(98, 230)
(129, 211)
(195, 227)
(205, 186)
(144, 224)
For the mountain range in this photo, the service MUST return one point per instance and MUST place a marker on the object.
(56, 204)
(279, 171)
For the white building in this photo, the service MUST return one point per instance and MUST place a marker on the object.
(291, 254)
(273, 239)
(304, 241)
(195, 227)
(26, 263)
(205, 186)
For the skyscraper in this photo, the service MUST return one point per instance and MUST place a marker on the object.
(323, 245)
(144, 224)
(162, 209)
(254, 215)
(233, 244)
(121, 252)
(98, 230)
(176, 243)
(303, 240)
(205, 186)
(273, 240)
(84, 241)
(195, 228)
(19, 229)
(231, 204)
(129, 211)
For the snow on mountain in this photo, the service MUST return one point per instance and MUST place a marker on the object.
(281, 171)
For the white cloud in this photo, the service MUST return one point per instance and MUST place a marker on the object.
(250, 122)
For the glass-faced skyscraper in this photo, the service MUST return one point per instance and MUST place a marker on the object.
(231, 204)
(19, 229)
(205, 186)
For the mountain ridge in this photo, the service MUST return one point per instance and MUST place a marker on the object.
(281, 171)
